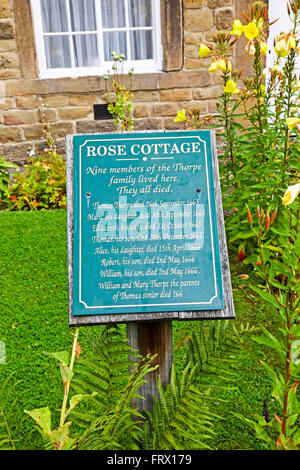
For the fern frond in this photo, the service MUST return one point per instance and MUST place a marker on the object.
(8, 399)
(174, 420)
(116, 429)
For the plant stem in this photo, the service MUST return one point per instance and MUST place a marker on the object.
(287, 378)
(67, 384)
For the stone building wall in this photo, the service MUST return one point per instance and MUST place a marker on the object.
(70, 101)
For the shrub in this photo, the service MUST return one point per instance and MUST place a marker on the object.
(4, 181)
(42, 186)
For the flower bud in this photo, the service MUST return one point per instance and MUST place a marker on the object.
(273, 216)
(241, 254)
(267, 223)
(249, 214)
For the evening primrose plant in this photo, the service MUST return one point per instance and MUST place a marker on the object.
(120, 99)
(277, 264)
(260, 117)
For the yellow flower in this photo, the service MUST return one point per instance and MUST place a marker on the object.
(276, 69)
(237, 28)
(231, 87)
(224, 66)
(251, 31)
(281, 48)
(263, 48)
(296, 85)
(213, 66)
(292, 122)
(180, 116)
(203, 50)
(291, 194)
(291, 43)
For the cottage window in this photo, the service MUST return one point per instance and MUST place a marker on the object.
(76, 37)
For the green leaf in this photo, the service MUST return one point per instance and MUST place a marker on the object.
(66, 373)
(269, 340)
(274, 248)
(266, 296)
(61, 356)
(60, 436)
(42, 416)
(79, 397)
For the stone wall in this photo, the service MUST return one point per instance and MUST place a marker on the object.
(70, 101)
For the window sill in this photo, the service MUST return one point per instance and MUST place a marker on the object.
(146, 67)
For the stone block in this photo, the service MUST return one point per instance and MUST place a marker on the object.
(164, 109)
(199, 20)
(145, 96)
(191, 50)
(206, 93)
(7, 74)
(148, 124)
(27, 102)
(82, 100)
(61, 129)
(74, 112)
(33, 132)
(9, 60)
(5, 9)
(10, 134)
(193, 3)
(15, 118)
(189, 105)
(169, 124)
(176, 95)
(92, 127)
(56, 101)
(218, 3)
(8, 45)
(141, 110)
(6, 29)
(192, 38)
(16, 153)
(47, 115)
(7, 103)
(224, 19)
(192, 64)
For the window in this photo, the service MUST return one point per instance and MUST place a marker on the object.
(76, 37)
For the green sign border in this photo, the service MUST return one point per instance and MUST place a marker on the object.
(84, 319)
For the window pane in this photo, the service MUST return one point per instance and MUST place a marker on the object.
(57, 52)
(114, 41)
(140, 12)
(141, 45)
(54, 16)
(86, 50)
(83, 17)
(113, 13)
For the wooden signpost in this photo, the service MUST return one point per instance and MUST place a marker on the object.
(146, 238)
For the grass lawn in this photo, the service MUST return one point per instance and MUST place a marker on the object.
(34, 319)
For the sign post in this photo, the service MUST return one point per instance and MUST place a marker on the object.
(146, 238)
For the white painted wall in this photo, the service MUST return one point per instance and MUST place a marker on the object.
(278, 9)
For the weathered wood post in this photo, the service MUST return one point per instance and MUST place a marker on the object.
(152, 338)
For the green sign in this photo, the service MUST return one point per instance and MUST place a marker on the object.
(144, 224)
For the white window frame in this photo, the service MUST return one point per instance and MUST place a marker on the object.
(139, 66)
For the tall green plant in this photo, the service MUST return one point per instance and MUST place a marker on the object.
(120, 99)
(278, 256)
